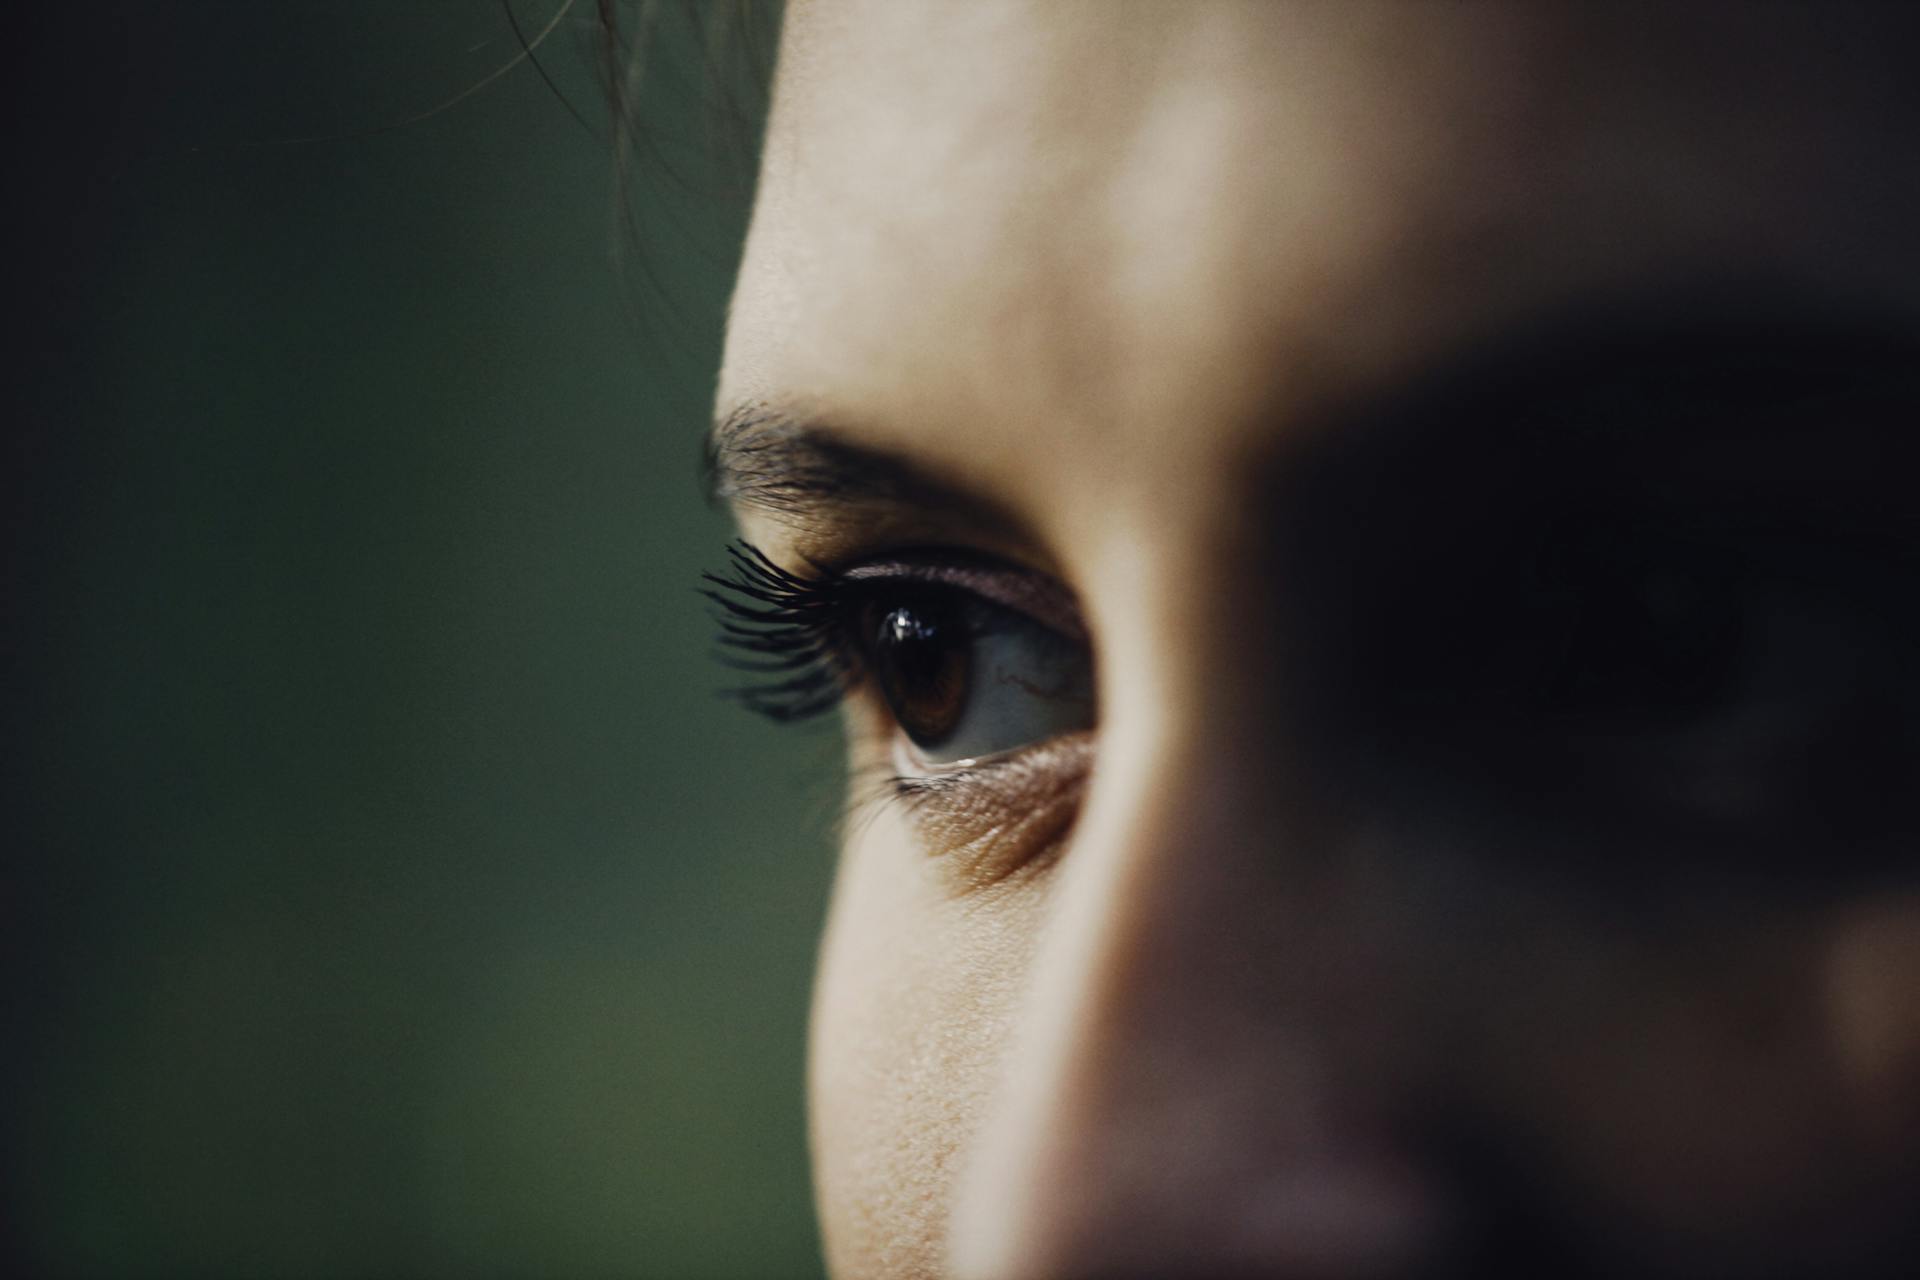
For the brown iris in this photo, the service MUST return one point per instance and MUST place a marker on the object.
(923, 660)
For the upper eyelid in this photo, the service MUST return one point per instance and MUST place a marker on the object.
(1023, 591)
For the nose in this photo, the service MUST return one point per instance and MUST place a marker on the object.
(1222, 1043)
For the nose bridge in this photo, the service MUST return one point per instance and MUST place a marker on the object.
(1187, 1079)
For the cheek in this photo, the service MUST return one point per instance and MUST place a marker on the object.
(912, 1007)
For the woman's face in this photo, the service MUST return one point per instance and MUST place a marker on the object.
(1363, 549)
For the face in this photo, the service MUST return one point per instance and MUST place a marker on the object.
(1362, 551)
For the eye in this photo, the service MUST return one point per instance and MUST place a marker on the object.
(1638, 683)
(971, 659)
(965, 678)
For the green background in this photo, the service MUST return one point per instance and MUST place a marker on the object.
(390, 891)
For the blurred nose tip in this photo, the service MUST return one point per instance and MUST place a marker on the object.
(1360, 1215)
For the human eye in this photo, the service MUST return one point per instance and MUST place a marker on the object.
(1651, 687)
(1674, 636)
(973, 669)
(965, 678)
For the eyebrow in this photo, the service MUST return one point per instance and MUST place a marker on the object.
(1626, 371)
(765, 457)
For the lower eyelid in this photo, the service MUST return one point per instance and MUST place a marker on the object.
(1003, 816)
(910, 766)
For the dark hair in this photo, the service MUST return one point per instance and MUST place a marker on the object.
(687, 90)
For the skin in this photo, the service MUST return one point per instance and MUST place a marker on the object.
(1155, 1002)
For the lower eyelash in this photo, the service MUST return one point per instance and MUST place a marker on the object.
(778, 624)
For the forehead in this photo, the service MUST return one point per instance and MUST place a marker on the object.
(1016, 234)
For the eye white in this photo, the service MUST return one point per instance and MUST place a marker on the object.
(1026, 685)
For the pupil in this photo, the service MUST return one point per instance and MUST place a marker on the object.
(922, 662)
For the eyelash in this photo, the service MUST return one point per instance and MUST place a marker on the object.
(791, 629)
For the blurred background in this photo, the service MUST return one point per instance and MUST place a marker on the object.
(388, 892)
